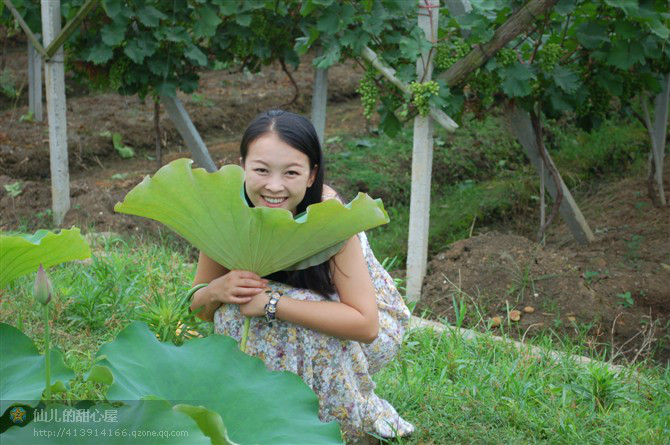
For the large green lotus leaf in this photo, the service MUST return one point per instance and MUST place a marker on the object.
(209, 210)
(153, 422)
(22, 369)
(257, 406)
(22, 254)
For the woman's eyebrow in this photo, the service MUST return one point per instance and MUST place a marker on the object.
(293, 164)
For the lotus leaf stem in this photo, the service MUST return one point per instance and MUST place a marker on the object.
(47, 354)
(245, 335)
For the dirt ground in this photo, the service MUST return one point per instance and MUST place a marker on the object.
(616, 289)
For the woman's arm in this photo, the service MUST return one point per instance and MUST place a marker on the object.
(225, 287)
(207, 270)
(355, 317)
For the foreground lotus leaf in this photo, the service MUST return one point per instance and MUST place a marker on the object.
(144, 422)
(256, 405)
(23, 254)
(209, 210)
(22, 370)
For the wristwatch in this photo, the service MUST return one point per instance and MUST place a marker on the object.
(271, 306)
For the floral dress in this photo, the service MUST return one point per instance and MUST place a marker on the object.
(338, 371)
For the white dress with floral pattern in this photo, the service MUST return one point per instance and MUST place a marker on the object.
(338, 371)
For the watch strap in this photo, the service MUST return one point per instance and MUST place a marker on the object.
(271, 307)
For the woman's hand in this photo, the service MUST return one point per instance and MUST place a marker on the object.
(255, 307)
(236, 287)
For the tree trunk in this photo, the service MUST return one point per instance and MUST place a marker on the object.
(522, 129)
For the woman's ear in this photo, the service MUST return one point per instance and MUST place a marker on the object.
(241, 162)
(312, 175)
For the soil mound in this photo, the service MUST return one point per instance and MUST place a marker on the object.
(553, 289)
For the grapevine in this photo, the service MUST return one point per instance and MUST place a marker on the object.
(117, 73)
(447, 55)
(548, 56)
(368, 91)
(485, 84)
(506, 57)
(632, 85)
(598, 99)
(421, 93)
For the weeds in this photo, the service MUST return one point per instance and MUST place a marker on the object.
(460, 391)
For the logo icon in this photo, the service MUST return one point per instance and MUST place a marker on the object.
(17, 414)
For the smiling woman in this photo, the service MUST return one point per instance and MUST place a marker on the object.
(277, 175)
(334, 324)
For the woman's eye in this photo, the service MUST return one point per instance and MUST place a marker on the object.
(292, 173)
(260, 170)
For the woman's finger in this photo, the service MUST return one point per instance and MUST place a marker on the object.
(240, 300)
(247, 274)
(246, 291)
(247, 282)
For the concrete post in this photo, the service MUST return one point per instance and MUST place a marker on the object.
(54, 79)
(422, 164)
(35, 82)
(188, 132)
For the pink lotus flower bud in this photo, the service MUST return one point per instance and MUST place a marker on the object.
(42, 289)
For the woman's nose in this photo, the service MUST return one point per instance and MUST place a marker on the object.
(274, 185)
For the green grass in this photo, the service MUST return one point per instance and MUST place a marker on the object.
(127, 279)
(455, 391)
(482, 391)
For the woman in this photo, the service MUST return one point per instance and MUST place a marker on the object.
(335, 323)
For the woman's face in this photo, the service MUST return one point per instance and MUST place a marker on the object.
(277, 175)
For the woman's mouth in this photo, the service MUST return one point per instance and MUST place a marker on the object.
(273, 202)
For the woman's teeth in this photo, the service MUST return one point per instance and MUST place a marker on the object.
(274, 200)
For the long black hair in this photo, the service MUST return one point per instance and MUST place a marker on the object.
(299, 133)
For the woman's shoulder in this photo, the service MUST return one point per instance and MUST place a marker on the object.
(329, 193)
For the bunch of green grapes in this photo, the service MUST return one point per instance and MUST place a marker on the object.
(631, 86)
(368, 91)
(598, 101)
(239, 48)
(548, 56)
(117, 73)
(506, 57)
(660, 65)
(485, 84)
(421, 93)
(392, 94)
(447, 55)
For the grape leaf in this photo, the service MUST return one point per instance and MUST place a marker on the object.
(329, 22)
(516, 80)
(659, 29)
(627, 6)
(99, 54)
(209, 20)
(150, 16)
(592, 35)
(612, 82)
(331, 56)
(624, 54)
(113, 33)
(138, 49)
(193, 53)
(565, 78)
